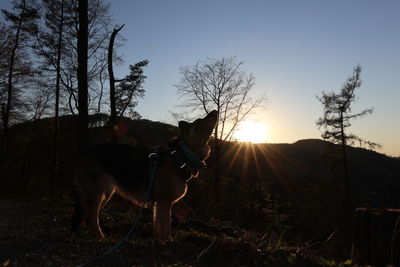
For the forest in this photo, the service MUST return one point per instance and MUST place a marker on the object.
(315, 202)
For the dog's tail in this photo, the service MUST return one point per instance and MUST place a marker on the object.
(77, 216)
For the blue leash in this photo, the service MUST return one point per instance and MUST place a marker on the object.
(192, 157)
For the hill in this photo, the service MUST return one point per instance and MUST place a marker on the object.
(279, 190)
(374, 177)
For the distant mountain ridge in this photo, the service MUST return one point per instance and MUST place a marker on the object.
(374, 177)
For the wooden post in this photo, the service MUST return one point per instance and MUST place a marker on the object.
(376, 237)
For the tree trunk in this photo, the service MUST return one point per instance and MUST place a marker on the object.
(345, 165)
(57, 104)
(26, 162)
(113, 118)
(83, 118)
(217, 170)
(6, 110)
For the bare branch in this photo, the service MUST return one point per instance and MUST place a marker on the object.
(221, 85)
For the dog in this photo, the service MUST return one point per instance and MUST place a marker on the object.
(151, 178)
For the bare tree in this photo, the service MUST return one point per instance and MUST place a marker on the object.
(337, 118)
(99, 31)
(219, 84)
(21, 78)
(113, 117)
(124, 92)
(23, 23)
(82, 73)
(48, 39)
(57, 93)
(49, 45)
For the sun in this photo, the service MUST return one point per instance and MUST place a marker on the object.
(251, 131)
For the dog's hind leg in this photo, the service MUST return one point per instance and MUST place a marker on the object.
(92, 215)
(108, 193)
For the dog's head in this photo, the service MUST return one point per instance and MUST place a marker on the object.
(197, 133)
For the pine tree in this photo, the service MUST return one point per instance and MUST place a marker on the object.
(124, 95)
(337, 118)
(130, 89)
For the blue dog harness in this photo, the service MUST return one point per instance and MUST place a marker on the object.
(186, 160)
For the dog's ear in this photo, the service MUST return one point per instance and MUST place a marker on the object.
(212, 118)
(212, 114)
(183, 125)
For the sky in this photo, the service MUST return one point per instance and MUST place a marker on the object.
(295, 49)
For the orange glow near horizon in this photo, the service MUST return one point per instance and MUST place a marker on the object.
(251, 131)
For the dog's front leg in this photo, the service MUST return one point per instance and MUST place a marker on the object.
(162, 221)
(156, 223)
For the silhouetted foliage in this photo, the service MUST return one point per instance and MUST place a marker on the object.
(337, 113)
(124, 92)
(129, 89)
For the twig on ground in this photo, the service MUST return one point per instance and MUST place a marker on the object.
(204, 251)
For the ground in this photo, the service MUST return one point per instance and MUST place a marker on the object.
(36, 233)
